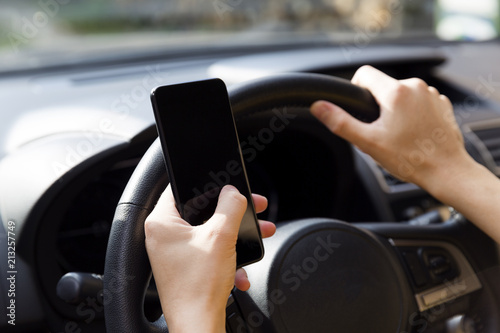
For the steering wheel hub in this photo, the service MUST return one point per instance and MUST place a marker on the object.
(362, 284)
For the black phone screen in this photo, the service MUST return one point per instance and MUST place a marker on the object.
(202, 154)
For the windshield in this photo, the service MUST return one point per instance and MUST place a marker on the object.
(41, 33)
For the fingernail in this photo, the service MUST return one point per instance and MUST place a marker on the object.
(242, 270)
(230, 188)
(319, 109)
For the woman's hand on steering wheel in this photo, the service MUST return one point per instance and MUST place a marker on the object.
(417, 139)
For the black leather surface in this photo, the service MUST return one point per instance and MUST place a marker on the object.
(301, 90)
(148, 180)
(127, 274)
(127, 271)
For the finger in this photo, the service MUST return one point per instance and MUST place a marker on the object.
(241, 280)
(340, 122)
(446, 101)
(379, 83)
(260, 203)
(230, 208)
(165, 207)
(433, 90)
(267, 229)
(169, 201)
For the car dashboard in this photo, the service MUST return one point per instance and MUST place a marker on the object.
(71, 138)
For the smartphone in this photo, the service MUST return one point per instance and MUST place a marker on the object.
(202, 153)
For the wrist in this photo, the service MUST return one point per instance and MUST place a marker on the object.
(444, 181)
(196, 318)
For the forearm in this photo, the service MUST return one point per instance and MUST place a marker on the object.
(472, 190)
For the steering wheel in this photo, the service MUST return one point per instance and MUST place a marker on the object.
(317, 275)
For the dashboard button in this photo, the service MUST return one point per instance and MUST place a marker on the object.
(435, 297)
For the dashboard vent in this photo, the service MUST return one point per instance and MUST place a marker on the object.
(489, 144)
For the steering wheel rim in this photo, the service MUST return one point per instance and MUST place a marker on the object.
(127, 271)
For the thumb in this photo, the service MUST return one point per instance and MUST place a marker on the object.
(230, 209)
(340, 122)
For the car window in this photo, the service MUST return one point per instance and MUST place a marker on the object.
(47, 32)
